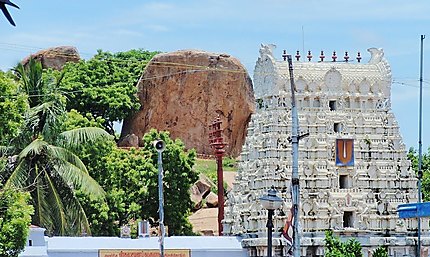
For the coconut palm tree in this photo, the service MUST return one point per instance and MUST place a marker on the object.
(43, 161)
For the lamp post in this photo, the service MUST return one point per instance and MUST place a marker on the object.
(270, 202)
(160, 146)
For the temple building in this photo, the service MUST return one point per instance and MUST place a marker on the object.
(353, 167)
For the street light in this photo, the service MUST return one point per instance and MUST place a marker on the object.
(160, 146)
(270, 202)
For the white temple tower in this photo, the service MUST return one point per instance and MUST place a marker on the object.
(353, 167)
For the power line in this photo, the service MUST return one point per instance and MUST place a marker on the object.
(159, 63)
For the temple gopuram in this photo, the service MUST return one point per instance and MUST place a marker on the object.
(353, 167)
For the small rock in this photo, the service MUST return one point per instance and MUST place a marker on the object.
(130, 140)
(211, 200)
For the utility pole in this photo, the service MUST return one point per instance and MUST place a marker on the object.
(420, 144)
(295, 173)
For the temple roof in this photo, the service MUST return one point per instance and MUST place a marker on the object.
(271, 76)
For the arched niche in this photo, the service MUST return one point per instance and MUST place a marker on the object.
(333, 79)
(364, 87)
(301, 85)
(313, 87)
(353, 87)
(375, 88)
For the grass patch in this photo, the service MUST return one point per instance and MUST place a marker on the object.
(208, 167)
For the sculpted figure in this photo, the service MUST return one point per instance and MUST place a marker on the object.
(376, 55)
(267, 50)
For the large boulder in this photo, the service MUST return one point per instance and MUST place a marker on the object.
(184, 91)
(55, 57)
(200, 190)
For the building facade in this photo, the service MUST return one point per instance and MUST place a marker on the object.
(353, 166)
(39, 245)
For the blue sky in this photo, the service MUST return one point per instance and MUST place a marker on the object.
(238, 27)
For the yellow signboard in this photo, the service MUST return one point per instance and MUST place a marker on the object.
(143, 253)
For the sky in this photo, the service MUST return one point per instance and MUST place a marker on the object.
(238, 27)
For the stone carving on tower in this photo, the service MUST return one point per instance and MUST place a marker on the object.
(352, 165)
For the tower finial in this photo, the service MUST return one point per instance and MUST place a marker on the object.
(298, 55)
(346, 57)
(358, 57)
(334, 57)
(284, 55)
(309, 55)
(322, 56)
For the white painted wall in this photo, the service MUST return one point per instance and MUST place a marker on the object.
(199, 246)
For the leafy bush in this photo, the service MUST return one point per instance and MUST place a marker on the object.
(335, 248)
(380, 252)
(15, 217)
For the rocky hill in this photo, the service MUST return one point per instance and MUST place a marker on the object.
(184, 91)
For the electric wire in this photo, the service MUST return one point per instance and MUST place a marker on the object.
(65, 92)
(190, 68)
(160, 64)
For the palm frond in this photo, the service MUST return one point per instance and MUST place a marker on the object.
(73, 172)
(79, 179)
(31, 77)
(57, 211)
(44, 118)
(36, 147)
(42, 208)
(77, 218)
(20, 70)
(19, 176)
(60, 153)
(75, 137)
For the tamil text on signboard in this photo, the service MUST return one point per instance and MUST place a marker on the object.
(143, 253)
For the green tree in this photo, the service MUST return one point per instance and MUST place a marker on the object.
(43, 161)
(130, 179)
(178, 179)
(12, 107)
(105, 85)
(15, 217)
(335, 248)
(425, 167)
(125, 175)
(75, 120)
